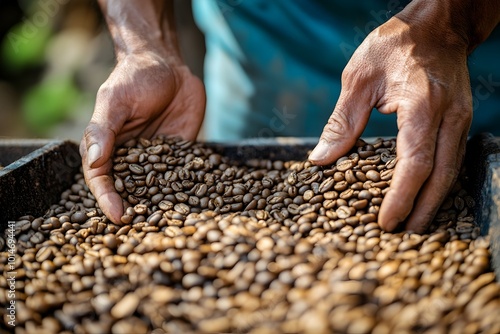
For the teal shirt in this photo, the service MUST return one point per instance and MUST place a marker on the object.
(273, 68)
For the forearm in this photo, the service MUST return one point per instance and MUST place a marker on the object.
(142, 25)
(457, 23)
(486, 16)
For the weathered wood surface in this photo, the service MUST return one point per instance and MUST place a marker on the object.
(42, 170)
(483, 170)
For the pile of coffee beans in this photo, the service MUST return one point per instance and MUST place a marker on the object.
(207, 244)
(166, 180)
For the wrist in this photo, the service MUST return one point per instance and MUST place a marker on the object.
(454, 24)
(434, 22)
(485, 16)
(142, 27)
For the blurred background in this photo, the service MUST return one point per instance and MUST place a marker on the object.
(54, 55)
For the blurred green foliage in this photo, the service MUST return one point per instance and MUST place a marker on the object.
(48, 91)
(49, 103)
(20, 50)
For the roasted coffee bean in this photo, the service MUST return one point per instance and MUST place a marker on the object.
(210, 246)
(344, 165)
(343, 212)
(136, 169)
(110, 241)
(119, 186)
(126, 306)
(22, 226)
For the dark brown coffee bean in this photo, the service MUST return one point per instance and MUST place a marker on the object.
(136, 169)
(182, 208)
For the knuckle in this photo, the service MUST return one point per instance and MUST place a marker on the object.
(461, 117)
(348, 73)
(423, 161)
(82, 148)
(449, 172)
(339, 124)
(94, 133)
(112, 90)
(89, 133)
(356, 71)
(104, 90)
(459, 112)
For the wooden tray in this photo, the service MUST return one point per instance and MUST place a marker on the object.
(35, 174)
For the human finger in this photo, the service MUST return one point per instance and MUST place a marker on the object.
(345, 125)
(416, 145)
(97, 167)
(450, 150)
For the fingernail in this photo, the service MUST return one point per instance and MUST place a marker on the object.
(320, 151)
(93, 154)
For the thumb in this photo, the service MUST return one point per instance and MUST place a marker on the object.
(97, 145)
(344, 126)
(100, 134)
(96, 149)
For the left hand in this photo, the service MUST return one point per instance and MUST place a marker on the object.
(408, 68)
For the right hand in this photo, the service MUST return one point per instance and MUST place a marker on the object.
(405, 67)
(144, 96)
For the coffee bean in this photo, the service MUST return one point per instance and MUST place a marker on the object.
(191, 280)
(182, 208)
(109, 241)
(367, 218)
(215, 325)
(344, 165)
(136, 169)
(44, 254)
(343, 212)
(373, 175)
(21, 226)
(37, 238)
(126, 306)
(209, 245)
